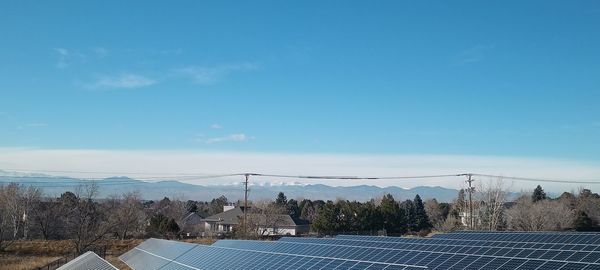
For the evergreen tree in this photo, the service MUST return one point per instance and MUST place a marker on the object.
(347, 220)
(538, 194)
(308, 211)
(568, 199)
(444, 209)
(171, 227)
(389, 211)
(318, 204)
(586, 193)
(293, 208)
(390, 214)
(281, 199)
(326, 223)
(161, 225)
(369, 218)
(583, 222)
(421, 220)
(217, 204)
(191, 206)
(301, 204)
(408, 209)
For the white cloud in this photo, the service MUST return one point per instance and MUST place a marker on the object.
(230, 138)
(216, 126)
(211, 75)
(32, 125)
(67, 57)
(126, 80)
(63, 55)
(198, 162)
(100, 52)
(37, 125)
(472, 55)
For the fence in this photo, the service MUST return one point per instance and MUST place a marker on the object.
(100, 251)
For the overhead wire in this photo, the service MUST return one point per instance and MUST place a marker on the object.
(516, 178)
(189, 177)
(106, 172)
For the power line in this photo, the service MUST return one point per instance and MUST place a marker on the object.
(201, 176)
(535, 179)
(353, 177)
(114, 179)
(109, 172)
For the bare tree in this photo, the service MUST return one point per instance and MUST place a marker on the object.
(6, 236)
(176, 209)
(129, 216)
(31, 198)
(16, 203)
(47, 218)
(12, 201)
(544, 215)
(490, 197)
(86, 221)
(264, 217)
(436, 217)
(589, 203)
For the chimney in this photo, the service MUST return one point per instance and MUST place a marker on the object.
(228, 207)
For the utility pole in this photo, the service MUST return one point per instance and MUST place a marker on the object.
(246, 205)
(471, 189)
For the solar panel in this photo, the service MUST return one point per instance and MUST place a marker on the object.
(151, 255)
(417, 254)
(481, 247)
(88, 260)
(587, 238)
(475, 242)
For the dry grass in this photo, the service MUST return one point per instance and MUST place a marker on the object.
(36, 253)
(40, 247)
(114, 260)
(202, 241)
(25, 255)
(21, 262)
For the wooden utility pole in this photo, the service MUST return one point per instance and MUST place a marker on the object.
(471, 189)
(246, 205)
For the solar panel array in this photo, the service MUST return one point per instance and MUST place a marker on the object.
(447, 240)
(88, 260)
(460, 250)
(154, 254)
(584, 238)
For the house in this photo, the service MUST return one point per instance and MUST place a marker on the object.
(465, 218)
(223, 222)
(269, 225)
(193, 224)
(264, 225)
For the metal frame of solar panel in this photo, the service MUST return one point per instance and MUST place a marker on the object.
(479, 243)
(154, 254)
(88, 260)
(342, 252)
(563, 252)
(443, 259)
(463, 242)
(586, 238)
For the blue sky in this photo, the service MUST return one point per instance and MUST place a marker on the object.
(468, 78)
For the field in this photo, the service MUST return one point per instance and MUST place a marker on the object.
(30, 254)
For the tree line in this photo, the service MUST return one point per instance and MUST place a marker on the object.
(86, 220)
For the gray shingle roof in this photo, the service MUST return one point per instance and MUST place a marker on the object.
(232, 217)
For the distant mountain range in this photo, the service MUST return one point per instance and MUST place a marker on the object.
(56, 185)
